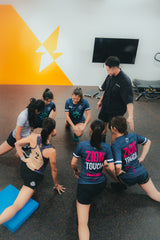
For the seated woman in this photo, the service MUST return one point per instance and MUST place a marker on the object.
(32, 168)
(25, 122)
(49, 108)
(129, 169)
(74, 110)
(94, 155)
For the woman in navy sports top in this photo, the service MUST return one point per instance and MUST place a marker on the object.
(32, 168)
(74, 111)
(94, 155)
(129, 169)
(49, 108)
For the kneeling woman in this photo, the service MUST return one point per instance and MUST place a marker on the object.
(32, 168)
(74, 111)
(91, 181)
(129, 169)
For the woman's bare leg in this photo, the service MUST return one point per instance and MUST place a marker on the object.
(83, 216)
(24, 195)
(5, 147)
(106, 124)
(151, 190)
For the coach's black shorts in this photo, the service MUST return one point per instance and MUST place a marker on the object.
(107, 117)
(87, 192)
(11, 140)
(31, 179)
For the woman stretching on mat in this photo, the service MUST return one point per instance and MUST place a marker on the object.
(74, 110)
(25, 121)
(32, 168)
(129, 169)
(95, 155)
(50, 107)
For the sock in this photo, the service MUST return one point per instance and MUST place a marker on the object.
(75, 138)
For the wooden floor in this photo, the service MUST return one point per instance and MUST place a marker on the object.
(129, 215)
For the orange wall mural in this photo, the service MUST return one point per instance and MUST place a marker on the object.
(23, 58)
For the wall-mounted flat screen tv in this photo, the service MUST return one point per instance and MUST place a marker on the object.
(123, 48)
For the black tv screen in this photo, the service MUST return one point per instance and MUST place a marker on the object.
(123, 48)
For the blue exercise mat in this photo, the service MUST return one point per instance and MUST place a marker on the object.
(7, 198)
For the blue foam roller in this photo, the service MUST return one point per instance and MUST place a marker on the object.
(7, 198)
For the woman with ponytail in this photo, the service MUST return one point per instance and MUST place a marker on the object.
(25, 122)
(49, 109)
(32, 168)
(128, 165)
(94, 154)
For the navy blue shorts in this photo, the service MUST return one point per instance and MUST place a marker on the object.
(87, 192)
(132, 177)
(30, 178)
(11, 140)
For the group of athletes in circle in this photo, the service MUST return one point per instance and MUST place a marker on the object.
(120, 160)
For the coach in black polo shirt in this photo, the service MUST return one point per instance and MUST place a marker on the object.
(118, 95)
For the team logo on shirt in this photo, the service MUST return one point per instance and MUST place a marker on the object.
(43, 115)
(48, 108)
(130, 152)
(127, 140)
(94, 160)
(32, 184)
(76, 114)
(80, 107)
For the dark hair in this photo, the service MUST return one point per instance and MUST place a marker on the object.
(112, 61)
(47, 94)
(47, 127)
(78, 92)
(34, 104)
(97, 127)
(120, 124)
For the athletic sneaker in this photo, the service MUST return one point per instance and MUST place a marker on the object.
(75, 138)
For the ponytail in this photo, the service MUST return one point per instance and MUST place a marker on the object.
(47, 94)
(48, 126)
(34, 104)
(44, 136)
(97, 127)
